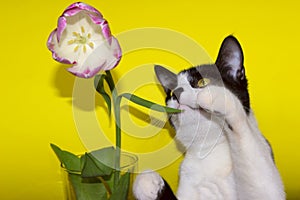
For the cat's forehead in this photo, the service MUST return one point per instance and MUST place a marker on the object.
(194, 74)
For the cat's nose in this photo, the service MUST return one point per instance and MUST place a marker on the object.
(177, 92)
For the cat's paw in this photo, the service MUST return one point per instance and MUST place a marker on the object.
(147, 186)
(217, 100)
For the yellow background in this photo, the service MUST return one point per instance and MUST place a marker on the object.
(36, 91)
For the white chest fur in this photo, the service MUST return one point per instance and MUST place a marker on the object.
(206, 172)
(221, 163)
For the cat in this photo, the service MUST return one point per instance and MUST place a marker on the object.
(226, 155)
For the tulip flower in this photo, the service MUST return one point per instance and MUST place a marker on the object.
(83, 39)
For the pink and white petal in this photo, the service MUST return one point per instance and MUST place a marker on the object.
(89, 8)
(63, 55)
(61, 60)
(96, 19)
(50, 44)
(73, 5)
(96, 59)
(76, 72)
(61, 25)
(111, 54)
(83, 6)
(106, 31)
(116, 53)
(86, 72)
(71, 12)
(94, 14)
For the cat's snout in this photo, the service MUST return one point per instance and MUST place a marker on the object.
(177, 92)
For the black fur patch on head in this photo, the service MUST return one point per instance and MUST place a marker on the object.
(193, 76)
(239, 89)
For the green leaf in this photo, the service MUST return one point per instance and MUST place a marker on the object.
(149, 104)
(87, 188)
(121, 190)
(70, 161)
(98, 163)
(99, 85)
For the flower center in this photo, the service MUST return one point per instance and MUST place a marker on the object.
(81, 40)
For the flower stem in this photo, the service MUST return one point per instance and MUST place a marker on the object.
(117, 112)
(118, 140)
(116, 107)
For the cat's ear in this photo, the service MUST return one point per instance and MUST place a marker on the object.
(167, 78)
(230, 61)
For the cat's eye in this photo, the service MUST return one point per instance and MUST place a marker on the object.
(203, 82)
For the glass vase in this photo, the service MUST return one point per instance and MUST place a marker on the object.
(79, 188)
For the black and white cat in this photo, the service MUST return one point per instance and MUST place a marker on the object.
(227, 157)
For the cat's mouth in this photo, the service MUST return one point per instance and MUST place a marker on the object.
(174, 103)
